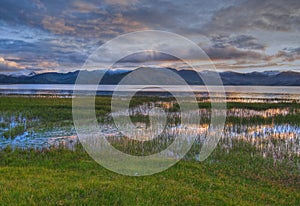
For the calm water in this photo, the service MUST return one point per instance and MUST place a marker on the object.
(280, 141)
(254, 92)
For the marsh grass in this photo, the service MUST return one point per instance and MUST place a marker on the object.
(57, 176)
(63, 177)
(58, 111)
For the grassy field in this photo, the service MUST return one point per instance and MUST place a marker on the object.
(63, 177)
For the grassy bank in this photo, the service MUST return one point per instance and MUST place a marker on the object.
(62, 177)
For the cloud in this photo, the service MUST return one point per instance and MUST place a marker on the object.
(289, 54)
(295, 51)
(273, 15)
(183, 17)
(238, 41)
(235, 47)
(246, 42)
(230, 52)
(57, 25)
(85, 7)
(6, 65)
(121, 2)
(61, 34)
(12, 67)
(148, 56)
(47, 64)
(32, 46)
(100, 19)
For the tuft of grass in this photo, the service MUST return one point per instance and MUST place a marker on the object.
(15, 131)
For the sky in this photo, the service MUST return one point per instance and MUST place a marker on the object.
(239, 35)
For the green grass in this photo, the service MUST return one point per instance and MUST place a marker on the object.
(47, 110)
(18, 130)
(62, 177)
(43, 113)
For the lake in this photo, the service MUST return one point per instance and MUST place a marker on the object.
(246, 92)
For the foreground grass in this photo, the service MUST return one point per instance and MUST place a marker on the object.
(62, 177)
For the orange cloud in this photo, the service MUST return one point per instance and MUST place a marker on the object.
(10, 64)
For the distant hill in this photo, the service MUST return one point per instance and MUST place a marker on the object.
(266, 78)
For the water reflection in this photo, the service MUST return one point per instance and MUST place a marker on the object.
(16, 132)
(280, 141)
(26, 142)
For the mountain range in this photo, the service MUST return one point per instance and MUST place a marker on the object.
(266, 78)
